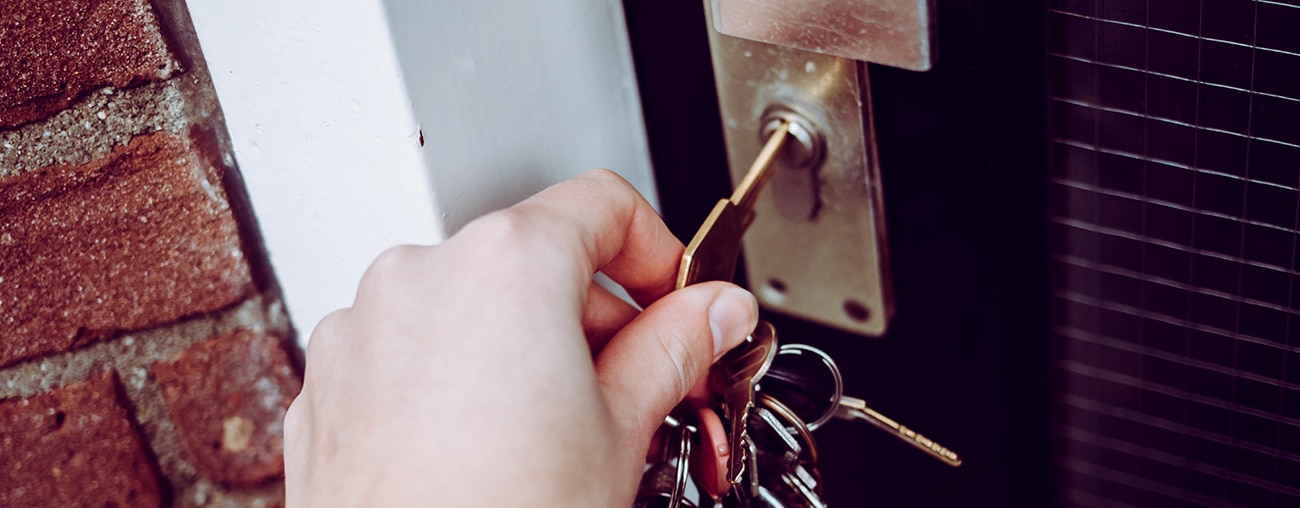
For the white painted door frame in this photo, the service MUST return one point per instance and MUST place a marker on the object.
(327, 101)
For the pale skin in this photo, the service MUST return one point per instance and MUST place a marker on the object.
(491, 371)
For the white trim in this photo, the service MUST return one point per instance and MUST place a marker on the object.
(325, 102)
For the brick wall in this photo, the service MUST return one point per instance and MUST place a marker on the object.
(145, 357)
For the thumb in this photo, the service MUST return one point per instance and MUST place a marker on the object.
(648, 366)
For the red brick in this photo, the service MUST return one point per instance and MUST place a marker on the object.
(52, 52)
(228, 397)
(141, 237)
(72, 445)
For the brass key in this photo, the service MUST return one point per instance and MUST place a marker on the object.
(712, 255)
(805, 395)
(715, 249)
(853, 408)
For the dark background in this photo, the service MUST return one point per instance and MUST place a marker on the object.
(962, 151)
(1175, 155)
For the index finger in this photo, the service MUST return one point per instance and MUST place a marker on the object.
(612, 229)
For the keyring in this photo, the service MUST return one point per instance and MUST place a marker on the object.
(836, 385)
(683, 460)
(792, 423)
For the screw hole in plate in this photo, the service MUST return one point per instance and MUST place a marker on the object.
(774, 291)
(856, 311)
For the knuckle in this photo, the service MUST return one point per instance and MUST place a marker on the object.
(324, 337)
(604, 174)
(499, 225)
(503, 232)
(392, 266)
(295, 421)
(391, 260)
(611, 180)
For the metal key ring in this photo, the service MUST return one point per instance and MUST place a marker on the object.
(683, 467)
(799, 427)
(835, 375)
(793, 422)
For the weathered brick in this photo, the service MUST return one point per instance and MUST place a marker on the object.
(52, 52)
(228, 397)
(74, 446)
(141, 237)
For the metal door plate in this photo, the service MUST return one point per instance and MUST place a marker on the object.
(833, 269)
(898, 33)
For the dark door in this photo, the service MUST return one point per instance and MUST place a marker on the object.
(962, 154)
(1092, 213)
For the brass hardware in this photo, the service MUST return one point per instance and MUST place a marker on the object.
(794, 181)
(853, 408)
(758, 173)
(827, 262)
(715, 249)
(898, 33)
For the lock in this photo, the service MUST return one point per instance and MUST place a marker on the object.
(794, 179)
(817, 246)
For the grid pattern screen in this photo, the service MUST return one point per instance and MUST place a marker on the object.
(1175, 142)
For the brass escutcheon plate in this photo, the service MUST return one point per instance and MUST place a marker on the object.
(833, 268)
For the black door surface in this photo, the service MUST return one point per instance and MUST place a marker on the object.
(1092, 218)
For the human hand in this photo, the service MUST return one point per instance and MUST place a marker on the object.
(491, 371)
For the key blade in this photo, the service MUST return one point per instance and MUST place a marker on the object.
(773, 424)
(715, 249)
(751, 467)
(760, 171)
(737, 407)
(734, 376)
(853, 408)
(804, 490)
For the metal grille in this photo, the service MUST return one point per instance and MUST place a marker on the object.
(1176, 160)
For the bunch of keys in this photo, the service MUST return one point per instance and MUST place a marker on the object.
(772, 398)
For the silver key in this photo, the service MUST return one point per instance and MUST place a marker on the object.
(785, 454)
(768, 500)
(800, 485)
(774, 425)
(751, 466)
(734, 376)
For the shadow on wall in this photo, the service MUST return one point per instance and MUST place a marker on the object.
(516, 96)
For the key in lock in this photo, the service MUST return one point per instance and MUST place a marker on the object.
(712, 255)
(792, 151)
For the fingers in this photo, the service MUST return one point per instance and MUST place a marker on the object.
(651, 364)
(612, 229)
(302, 446)
(296, 431)
(604, 316)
